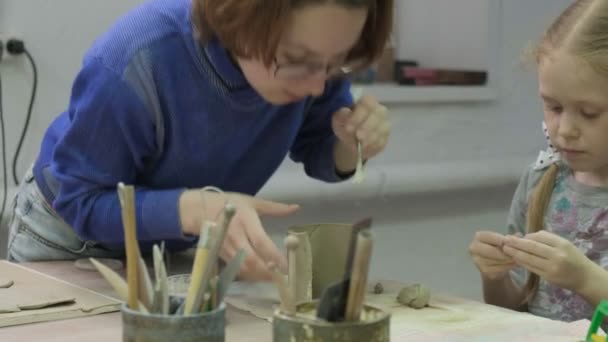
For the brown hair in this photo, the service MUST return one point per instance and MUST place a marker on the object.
(582, 31)
(253, 28)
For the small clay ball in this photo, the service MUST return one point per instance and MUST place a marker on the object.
(291, 242)
(378, 288)
(416, 296)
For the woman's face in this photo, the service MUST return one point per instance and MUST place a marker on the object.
(314, 46)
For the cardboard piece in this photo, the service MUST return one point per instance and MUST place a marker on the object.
(36, 297)
(329, 244)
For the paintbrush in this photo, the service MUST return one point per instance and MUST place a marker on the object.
(332, 305)
(126, 195)
(198, 268)
(358, 282)
(116, 281)
(288, 306)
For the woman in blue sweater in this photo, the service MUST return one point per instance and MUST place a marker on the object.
(183, 94)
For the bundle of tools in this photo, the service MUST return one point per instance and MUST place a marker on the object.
(206, 290)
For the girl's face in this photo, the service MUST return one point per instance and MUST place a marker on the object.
(575, 98)
(312, 49)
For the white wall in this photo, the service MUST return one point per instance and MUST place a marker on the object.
(444, 34)
(58, 33)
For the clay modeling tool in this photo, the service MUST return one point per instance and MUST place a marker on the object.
(126, 195)
(161, 288)
(358, 282)
(200, 260)
(146, 292)
(288, 307)
(216, 243)
(359, 176)
(115, 280)
(291, 244)
(158, 295)
(212, 263)
(332, 305)
(228, 274)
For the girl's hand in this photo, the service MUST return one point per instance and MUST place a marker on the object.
(487, 254)
(551, 257)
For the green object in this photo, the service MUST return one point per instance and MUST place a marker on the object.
(598, 319)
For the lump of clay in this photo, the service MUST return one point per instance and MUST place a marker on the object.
(416, 296)
(378, 288)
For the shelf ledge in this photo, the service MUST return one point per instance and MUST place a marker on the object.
(395, 94)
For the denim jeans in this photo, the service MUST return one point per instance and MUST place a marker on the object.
(37, 232)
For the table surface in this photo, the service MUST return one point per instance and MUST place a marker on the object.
(242, 326)
(107, 327)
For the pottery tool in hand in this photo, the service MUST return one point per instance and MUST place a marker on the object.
(360, 270)
(126, 195)
(359, 176)
(332, 305)
(288, 307)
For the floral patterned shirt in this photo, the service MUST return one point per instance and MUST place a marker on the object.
(576, 212)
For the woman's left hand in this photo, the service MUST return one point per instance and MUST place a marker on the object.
(551, 257)
(367, 122)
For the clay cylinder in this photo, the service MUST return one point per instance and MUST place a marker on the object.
(374, 326)
(140, 327)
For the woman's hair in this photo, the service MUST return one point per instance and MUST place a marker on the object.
(581, 31)
(253, 28)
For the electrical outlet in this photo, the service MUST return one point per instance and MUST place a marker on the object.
(4, 38)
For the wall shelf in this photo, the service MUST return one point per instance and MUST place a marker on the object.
(394, 94)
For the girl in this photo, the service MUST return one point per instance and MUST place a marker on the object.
(553, 260)
(183, 94)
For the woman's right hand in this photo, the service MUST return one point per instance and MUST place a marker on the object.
(488, 256)
(245, 230)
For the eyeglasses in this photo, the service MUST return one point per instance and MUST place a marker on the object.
(302, 71)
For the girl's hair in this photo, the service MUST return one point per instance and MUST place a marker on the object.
(253, 28)
(582, 31)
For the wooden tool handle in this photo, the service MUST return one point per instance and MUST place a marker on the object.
(291, 244)
(288, 307)
(356, 291)
(196, 290)
(126, 194)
